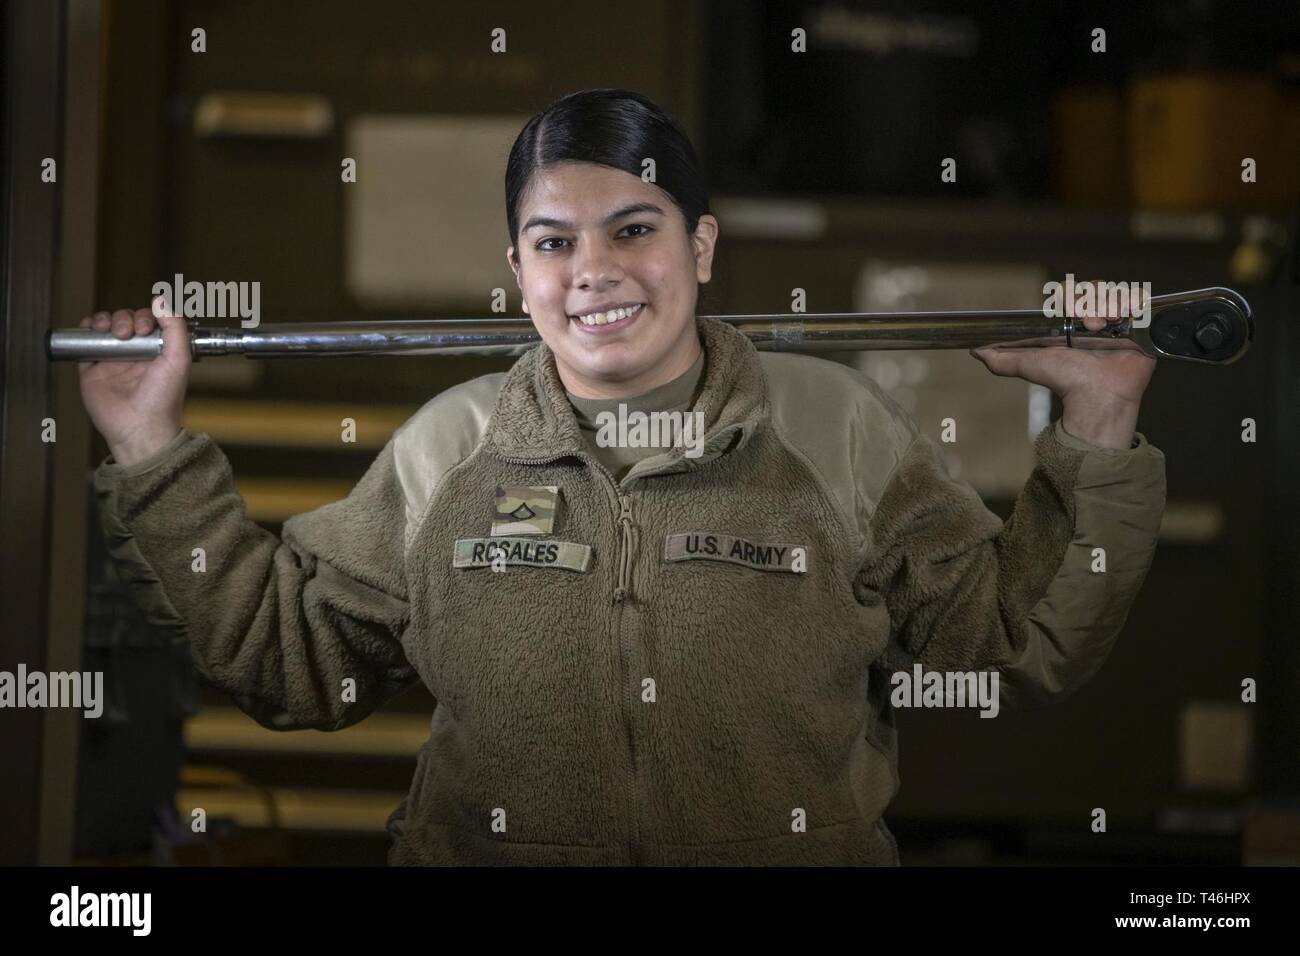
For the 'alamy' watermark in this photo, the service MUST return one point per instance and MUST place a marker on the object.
(919, 688)
(651, 430)
(210, 300)
(1114, 300)
(75, 908)
(57, 689)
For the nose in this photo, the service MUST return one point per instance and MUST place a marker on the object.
(596, 264)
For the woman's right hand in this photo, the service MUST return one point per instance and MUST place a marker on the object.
(137, 406)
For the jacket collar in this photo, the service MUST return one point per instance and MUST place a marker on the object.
(534, 422)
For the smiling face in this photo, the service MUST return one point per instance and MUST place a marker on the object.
(594, 238)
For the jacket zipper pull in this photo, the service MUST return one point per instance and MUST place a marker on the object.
(625, 556)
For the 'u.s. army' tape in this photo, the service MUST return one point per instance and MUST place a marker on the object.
(718, 546)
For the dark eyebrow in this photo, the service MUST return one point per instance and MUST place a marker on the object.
(647, 207)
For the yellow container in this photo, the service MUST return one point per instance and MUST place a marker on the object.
(1089, 162)
(1189, 134)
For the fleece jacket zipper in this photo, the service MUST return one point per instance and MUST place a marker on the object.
(621, 596)
(622, 591)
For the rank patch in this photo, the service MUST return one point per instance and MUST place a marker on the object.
(526, 509)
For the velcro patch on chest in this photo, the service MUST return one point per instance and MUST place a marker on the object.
(719, 546)
(526, 509)
(526, 552)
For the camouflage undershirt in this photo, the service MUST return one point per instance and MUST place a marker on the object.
(675, 396)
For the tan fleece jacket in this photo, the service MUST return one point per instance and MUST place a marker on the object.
(693, 666)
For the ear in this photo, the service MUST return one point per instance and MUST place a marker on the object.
(514, 267)
(703, 242)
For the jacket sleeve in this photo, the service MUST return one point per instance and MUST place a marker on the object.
(280, 624)
(1041, 598)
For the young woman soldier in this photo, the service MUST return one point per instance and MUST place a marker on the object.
(639, 655)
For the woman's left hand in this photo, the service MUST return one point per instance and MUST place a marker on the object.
(1100, 389)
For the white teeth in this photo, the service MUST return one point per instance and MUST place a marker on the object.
(604, 318)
